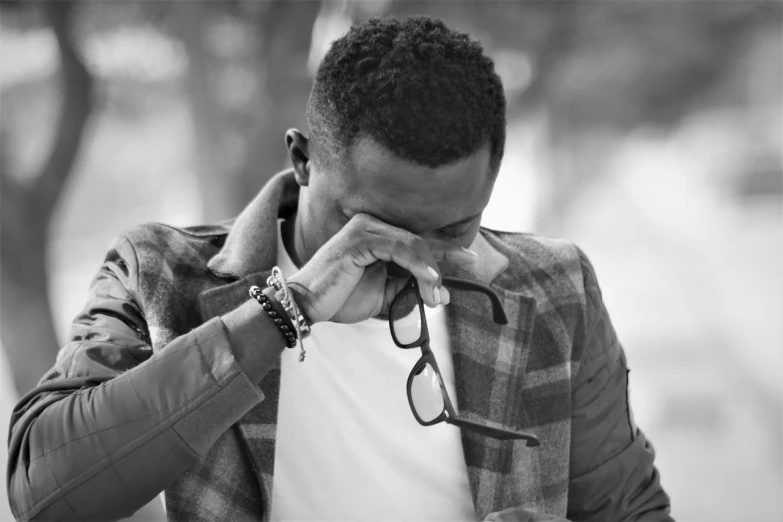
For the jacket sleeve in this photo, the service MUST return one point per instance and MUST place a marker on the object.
(613, 478)
(112, 423)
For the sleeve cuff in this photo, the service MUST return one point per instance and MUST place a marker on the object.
(255, 339)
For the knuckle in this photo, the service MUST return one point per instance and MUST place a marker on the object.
(352, 224)
(354, 231)
(353, 234)
(363, 221)
(399, 246)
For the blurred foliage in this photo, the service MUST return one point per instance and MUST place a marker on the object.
(620, 64)
(27, 209)
(599, 62)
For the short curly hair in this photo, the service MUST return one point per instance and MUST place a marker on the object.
(427, 93)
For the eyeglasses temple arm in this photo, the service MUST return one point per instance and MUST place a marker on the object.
(498, 314)
(496, 433)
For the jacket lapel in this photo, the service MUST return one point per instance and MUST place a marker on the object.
(246, 259)
(489, 366)
(251, 245)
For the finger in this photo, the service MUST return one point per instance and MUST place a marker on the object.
(509, 515)
(445, 296)
(390, 250)
(446, 252)
(433, 294)
(407, 245)
(442, 250)
(431, 291)
(386, 249)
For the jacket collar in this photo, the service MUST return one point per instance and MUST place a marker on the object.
(251, 245)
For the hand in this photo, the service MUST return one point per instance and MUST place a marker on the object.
(346, 280)
(521, 515)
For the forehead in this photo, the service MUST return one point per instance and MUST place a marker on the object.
(416, 197)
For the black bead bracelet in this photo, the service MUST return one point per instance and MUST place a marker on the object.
(280, 318)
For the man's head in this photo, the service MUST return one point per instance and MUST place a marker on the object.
(407, 122)
(426, 93)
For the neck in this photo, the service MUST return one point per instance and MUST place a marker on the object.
(292, 239)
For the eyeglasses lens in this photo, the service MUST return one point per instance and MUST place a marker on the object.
(425, 393)
(405, 315)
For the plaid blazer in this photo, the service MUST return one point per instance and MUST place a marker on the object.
(153, 320)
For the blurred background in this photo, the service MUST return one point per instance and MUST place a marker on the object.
(648, 132)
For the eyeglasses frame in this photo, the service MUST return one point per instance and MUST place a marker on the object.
(449, 414)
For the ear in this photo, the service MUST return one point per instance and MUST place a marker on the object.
(299, 152)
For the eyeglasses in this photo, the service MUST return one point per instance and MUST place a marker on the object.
(427, 395)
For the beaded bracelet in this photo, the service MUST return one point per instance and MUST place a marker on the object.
(285, 297)
(280, 319)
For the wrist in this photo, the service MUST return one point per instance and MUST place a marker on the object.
(304, 297)
(287, 298)
(276, 312)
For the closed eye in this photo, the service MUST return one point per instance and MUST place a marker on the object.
(459, 229)
(454, 234)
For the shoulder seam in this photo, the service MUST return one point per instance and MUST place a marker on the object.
(183, 230)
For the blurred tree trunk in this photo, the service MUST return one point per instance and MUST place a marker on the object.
(286, 30)
(26, 323)
(217, 200)
(282, 34)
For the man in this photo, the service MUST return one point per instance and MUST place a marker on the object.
(176, 380)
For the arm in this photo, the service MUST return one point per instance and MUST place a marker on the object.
(112, 424)
(613, 478)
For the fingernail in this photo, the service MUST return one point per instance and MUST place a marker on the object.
(468, 251)
(436, 295)
(445, 295)
(433, 272)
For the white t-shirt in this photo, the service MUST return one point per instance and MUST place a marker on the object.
(348, 446)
